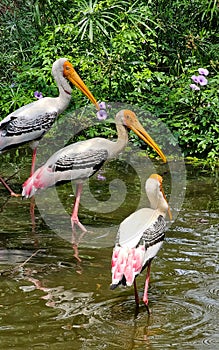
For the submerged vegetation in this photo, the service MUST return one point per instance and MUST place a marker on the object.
(142, 53)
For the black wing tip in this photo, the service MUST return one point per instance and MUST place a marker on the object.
(113, 286)
(122, 282)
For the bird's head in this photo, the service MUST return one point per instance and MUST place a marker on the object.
(129, 119)
(156, 193)
(70, 74)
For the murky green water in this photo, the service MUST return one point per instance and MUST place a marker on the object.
(54, 302)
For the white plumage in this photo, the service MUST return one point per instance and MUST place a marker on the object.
(30, 122)
(139, 238)
(81, 160)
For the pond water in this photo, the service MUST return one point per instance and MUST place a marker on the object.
(52, 301)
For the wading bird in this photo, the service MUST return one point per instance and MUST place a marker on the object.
(139, 238)
(30, 122)
(80, 160)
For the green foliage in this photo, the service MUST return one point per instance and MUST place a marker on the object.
(187, 29)
(138, 52)
(94, 20)
(193, 116)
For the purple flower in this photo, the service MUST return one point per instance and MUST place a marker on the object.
(102, 114)
(202, 80)
(195, 79)
(101, 177)
(38, 95)
(203, 71)
(102, 105)
(194, 87)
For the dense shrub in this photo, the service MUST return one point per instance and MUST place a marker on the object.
(143, 53)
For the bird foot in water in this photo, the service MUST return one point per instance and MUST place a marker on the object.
(13, 194)
(75, 221)
(147, 308)
(76, 254)
(76, 241)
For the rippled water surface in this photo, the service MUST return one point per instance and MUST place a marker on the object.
(53, 301)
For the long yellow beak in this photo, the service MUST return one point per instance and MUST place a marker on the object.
(74, 78)
(142, 133)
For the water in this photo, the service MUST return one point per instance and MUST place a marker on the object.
(55, 302)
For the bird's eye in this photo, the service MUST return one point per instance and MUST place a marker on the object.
(67, 67)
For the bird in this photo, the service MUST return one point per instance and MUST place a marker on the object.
(29, 123)
(79, 161)
(139, 238)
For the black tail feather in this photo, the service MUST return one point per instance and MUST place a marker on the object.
(122, 282)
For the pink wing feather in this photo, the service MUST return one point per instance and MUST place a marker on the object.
(127, 262)
(39, 180)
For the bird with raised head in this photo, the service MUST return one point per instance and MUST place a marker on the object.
(29, 123)
(139, 238)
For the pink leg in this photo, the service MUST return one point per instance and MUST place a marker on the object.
(74, 217)
(8, 188)
(145, 297)
(32, 202)
(76, 253)
(136, 293)
(12, 193)
(32, 213)
(75, 220)
(33, 161)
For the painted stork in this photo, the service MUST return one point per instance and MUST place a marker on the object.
(139, 238)
(30, 122)
(81, 160)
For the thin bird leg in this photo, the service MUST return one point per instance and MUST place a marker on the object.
(145, 296)
(33, 161)
(32, 202)
(75, 220)
(32, 213)
(74, 217)
(136, 293)
(12, 193)
(76, 253)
